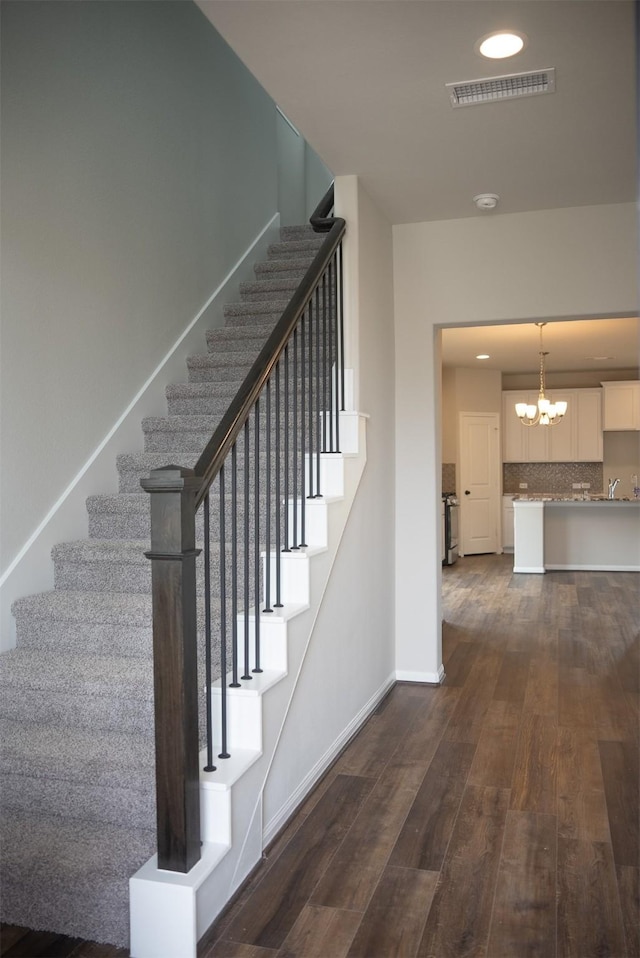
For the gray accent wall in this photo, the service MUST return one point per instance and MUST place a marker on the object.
(139, 161)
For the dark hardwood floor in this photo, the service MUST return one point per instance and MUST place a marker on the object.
(496, 816)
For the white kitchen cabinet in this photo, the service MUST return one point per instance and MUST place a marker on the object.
(621, 406)
(507, 523)
(538, 438)
(513, 432)
(576, 438)
(589, 425)
(563, 437)
(522, 443)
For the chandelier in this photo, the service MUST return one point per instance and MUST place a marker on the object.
(546, 413)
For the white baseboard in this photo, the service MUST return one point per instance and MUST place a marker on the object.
(427, 678)
(31, 570)
(283, 814)
(575, 567)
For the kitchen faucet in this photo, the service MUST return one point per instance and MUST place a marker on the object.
(612, 486)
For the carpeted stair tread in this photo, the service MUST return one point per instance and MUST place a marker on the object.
(124, 503)
(132, 467)
(285, 268)
(71, 877)
(77, 755)
(297, 232)
(179, 424)
(305, 247)
(269, 307)
(237, 357)
(223, 336)
(146, 462)
(39, 670)
(268, 289)
(115, 518)
(126, 515)
(249, 344)
(226, 390)
(209, 366)
(127, 552)
(121, 566)
(100, 607)
(60, 688)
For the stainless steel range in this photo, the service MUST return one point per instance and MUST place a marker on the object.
(451, 508)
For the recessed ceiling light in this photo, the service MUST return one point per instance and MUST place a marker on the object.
(599, 359)
(483, 356)
(500, 45)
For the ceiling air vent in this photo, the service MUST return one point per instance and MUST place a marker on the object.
(502, 88)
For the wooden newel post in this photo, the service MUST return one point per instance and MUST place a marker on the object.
(173, 573)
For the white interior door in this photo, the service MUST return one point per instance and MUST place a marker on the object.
(479, 489)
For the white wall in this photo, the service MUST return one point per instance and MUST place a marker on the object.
(621, 460)
(291, 173)
(138, 163)
(478, 390)
(525, 266)
(303, 179)
(317, 179)
(466, 390)
(351, 655)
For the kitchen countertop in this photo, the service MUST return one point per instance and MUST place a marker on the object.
(577, 499)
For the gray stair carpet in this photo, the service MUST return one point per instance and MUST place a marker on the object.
(76, 695)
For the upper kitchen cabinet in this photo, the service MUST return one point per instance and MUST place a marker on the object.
(621, 404)
(576, 438)
(589, 425)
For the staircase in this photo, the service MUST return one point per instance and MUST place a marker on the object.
(76, 694)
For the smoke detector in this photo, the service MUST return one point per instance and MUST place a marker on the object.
(486, 201)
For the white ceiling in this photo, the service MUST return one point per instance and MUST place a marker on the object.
(364, 81)
(584, 345)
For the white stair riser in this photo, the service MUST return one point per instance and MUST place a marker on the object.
(294, 576)
(244, 720)
(273, 643)
(215, 815)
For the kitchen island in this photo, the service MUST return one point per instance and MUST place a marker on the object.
(586, 535)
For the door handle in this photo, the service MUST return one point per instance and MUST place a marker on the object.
(467, 492)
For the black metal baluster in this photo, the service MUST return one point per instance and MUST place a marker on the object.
(318, 393)
(287, 547)
(339, 346)
(310, 494)
(256, 532)
(209, 767)
(223, 618)
(303, 438)
(246, 674)
(325, 360)
(278, 543)
(330, 357)
(341, 329)
(234, 567)
(296, 388)
(267, 571)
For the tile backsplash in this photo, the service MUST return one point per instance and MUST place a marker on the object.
(555, 477)
(448, 477)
